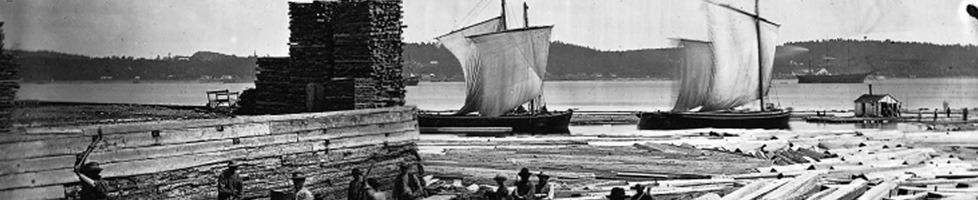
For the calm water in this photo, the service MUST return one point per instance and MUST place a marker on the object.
(584, 95)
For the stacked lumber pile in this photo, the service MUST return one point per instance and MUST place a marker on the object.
(275, 93)
(343, 55)
(8, 86)
(368, 47)
(181, 159)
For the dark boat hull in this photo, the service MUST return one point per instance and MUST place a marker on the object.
(553, 123)
(690, 120)
(412, 81)
(845, 78)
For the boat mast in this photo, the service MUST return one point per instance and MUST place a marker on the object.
(526, 17)
(503, 16)
(760, 53)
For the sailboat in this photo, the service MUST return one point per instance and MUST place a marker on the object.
(504, 69)
(730, 71)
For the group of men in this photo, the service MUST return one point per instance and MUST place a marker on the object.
(407, 186)
(525, 189)
(641, 193)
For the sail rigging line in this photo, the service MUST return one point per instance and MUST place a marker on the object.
(478, 6)
(745, 13)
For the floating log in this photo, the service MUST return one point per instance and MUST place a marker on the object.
(798, 188)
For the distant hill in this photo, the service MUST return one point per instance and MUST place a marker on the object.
(566, 62)
(46, 65)
(888, 58)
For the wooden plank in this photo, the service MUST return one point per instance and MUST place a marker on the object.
(766, 189)
(849, 192)
(466, 129)
(798, 188)
(185, 124)
(57, 146)
(879, 191)
(39, 193)
(747, 189)
(145, 166)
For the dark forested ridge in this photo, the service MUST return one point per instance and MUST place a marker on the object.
(45, 65)
(566, 62)
(887, 58)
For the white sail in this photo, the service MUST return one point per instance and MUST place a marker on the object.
(513, 64)
(736, 77)
(503, 69)
(696, 75)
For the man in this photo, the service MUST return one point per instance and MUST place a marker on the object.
(92, 185)
(298, 183)
(407, 186)
(502, 193)
(373, 191)
(617, 193)
(545, 190)
(524, 188)
(640, 193)
(356, 190)
(229, 185)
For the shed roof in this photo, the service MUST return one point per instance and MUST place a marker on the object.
(866, 98)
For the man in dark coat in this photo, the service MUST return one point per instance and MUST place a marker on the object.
(502, 193)
(229, 186)
(356, 190)
(524, 187)
(640, 193)
(93, 187)
(407, 186)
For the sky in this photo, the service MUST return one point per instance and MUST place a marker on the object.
(245, 27)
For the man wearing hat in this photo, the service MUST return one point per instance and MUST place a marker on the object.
(92, 187)
(356, 191)
(298, 184)
(617, 193)
(229, 185)
(640, 193)
(524, 188)
(407, 186)
(502, 193)
(545, 189)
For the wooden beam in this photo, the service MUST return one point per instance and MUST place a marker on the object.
(798, 188)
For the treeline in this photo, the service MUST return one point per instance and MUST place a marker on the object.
(566, 62)
(46, 65)
(887, 58)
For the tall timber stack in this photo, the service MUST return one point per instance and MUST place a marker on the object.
(343, 55)
(349, 59)
(8, 86)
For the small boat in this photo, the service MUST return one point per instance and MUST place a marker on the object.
(718, 76)
(823, 76)
(504, 70)
(412, 81)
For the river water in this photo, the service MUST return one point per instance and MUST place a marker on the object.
(583, 95)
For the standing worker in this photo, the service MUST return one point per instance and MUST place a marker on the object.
(617, 193)
(640, 193)
(356, 191)
(298, 184)
(407, 186)
(502, 193)
(93, 187)
(229, 185)
(524, 188)
(545, 189)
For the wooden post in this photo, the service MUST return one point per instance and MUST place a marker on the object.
(935, 114)
(964, 114)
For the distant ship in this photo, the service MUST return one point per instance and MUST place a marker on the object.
(823, 76)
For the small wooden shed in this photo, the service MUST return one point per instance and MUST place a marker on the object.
(877, 105)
